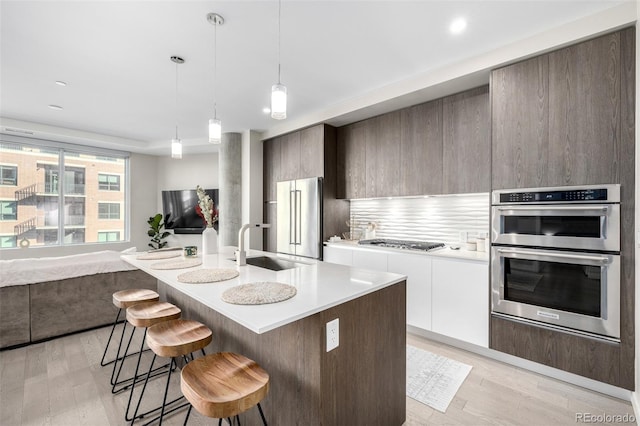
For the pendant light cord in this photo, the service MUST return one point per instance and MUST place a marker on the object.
(176, 100)
(215, 69)
(279, 31)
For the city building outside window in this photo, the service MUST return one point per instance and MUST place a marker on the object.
(8, 175)
(49, 194)
(8, 210)
(108, 182)
(104, 237)
(108, 211)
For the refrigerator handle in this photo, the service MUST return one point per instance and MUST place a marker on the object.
(292, 217)
(298, 217)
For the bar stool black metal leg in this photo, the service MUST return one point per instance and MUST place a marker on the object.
(262, 415)
(146, 380)
(114, 376)
(135, 377)
(102, 363)
(166, 391)
(187, 417)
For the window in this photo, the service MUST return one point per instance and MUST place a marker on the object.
(8, 210)
(108, 211)
(108, 182)
(8, 175)
(104, 237)
(62, 193)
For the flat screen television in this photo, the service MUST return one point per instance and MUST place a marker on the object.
(179, 209)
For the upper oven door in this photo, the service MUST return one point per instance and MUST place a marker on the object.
(575, 226)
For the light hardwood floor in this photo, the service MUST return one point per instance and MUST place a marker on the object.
(60, 382)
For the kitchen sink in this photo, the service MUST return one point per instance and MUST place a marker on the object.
(272, 263)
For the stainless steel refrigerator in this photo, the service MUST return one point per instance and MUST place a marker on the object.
(299, 220)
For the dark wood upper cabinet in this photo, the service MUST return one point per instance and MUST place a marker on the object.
(351, 154)
(290, 156)
(421, 149)
(312, 157)
(466, 142)
(382, 158)
(520, 124)
(584, 112)
(271, 167)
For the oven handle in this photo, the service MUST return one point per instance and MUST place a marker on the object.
(603, 209)
(602, 260)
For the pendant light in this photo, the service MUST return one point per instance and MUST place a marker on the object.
(176, 144)
(279, 91)
(215, 125)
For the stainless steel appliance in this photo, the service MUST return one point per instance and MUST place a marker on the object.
(402, 244)
(299, 217)
(555, 258)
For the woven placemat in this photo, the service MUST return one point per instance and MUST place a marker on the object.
(159, 255)
(207, 276)
(177, 264)
(259, 293)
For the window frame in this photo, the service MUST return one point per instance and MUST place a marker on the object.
(109, 184)
(6, 165)
(15, 210)
(109, 213)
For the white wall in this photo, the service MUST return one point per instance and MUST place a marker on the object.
(192, 170)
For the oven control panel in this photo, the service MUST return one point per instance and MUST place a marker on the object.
(554, 196)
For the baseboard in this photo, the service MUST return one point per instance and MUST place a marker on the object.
(535, 367)
(635, 402)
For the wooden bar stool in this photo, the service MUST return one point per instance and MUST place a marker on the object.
(141, 315)
(122, 300)
(173, 339)
(223, 385)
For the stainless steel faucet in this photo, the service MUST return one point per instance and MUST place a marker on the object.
(241, 255)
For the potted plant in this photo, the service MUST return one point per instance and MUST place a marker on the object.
(156, 233)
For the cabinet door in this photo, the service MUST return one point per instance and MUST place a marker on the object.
(421, 149)
(417, 268)
(270, 235)
(466, 142)
(370, 260)
(290, 156)
(271, 167)
(584, 112)
(520, 124)
(460, 296)
(312, 152)
(351, 148)
(339, 255)
(382, 159)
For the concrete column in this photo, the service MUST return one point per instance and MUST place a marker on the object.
(230, 188)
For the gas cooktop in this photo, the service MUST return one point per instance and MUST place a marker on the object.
(402, 244)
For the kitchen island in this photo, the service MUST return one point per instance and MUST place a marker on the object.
(361, 382)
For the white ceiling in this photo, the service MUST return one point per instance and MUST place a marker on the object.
(114, 57)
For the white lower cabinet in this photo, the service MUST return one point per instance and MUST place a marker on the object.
(417, 268)
(460, 300)
(339, 255)
(367, 259)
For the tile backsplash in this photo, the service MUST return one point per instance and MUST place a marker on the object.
(435, 218)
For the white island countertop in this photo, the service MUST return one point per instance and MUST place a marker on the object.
(445, 252)
(319, 286)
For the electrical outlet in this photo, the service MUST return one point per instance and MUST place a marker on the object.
(333, 334)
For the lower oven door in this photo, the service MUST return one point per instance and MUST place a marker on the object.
(573, 290)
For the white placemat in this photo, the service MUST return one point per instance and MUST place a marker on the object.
(177, 264)
(207, 275)
(259, 293)
(433, 379)
(157, 255)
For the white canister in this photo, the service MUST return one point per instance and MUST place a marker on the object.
(481, 244)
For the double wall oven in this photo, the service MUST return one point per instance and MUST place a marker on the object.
(555, 258)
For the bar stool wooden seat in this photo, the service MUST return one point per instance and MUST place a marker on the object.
(173, 339)
(122, 300)
(223, 385)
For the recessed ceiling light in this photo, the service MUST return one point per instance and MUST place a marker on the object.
(56, 107)
(458, 25)
(266, 110)
(61, 83)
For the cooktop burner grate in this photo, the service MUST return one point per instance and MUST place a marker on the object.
(402, 244)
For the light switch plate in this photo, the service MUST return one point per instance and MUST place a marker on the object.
(333, 334)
